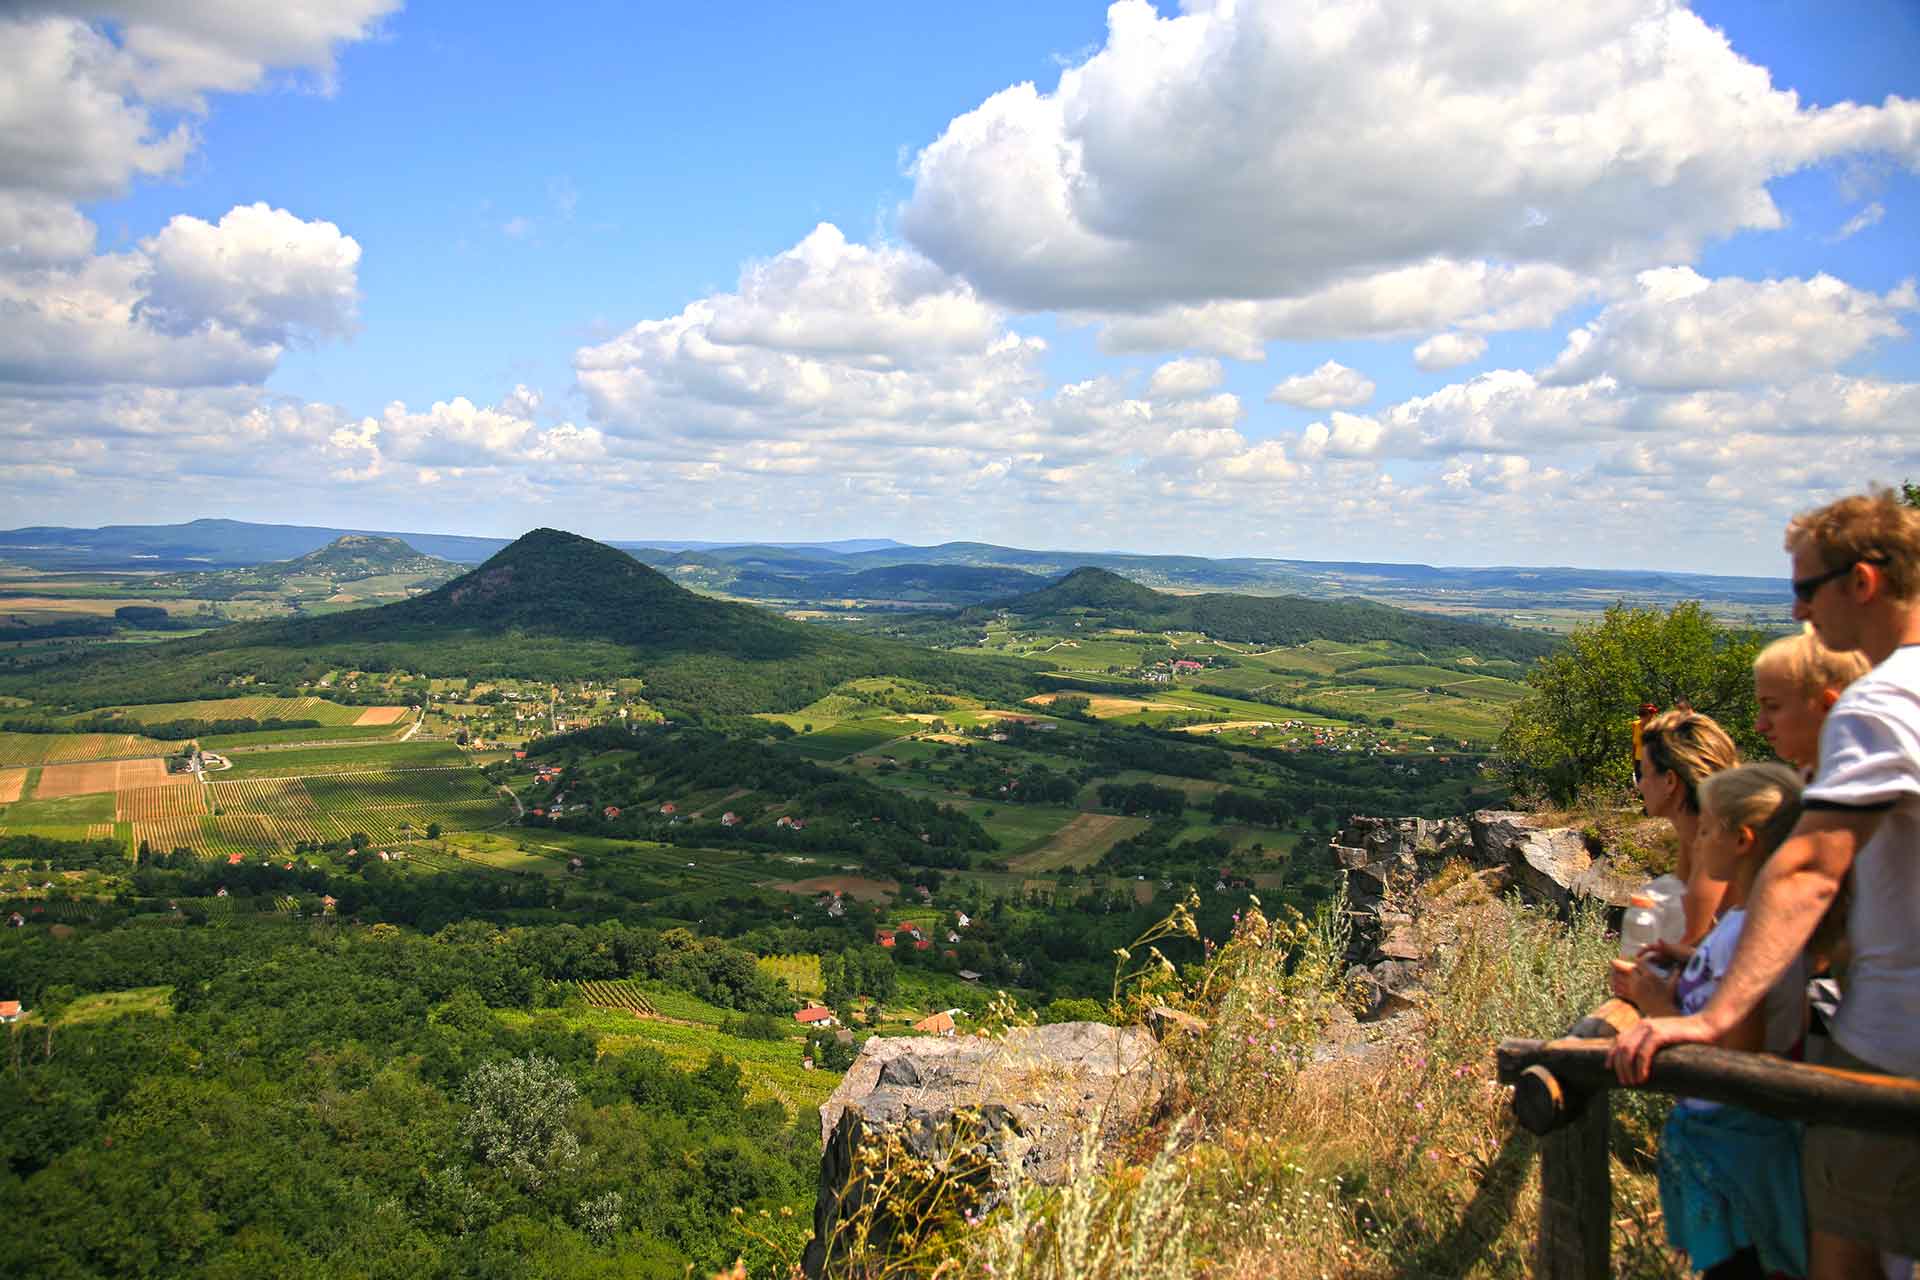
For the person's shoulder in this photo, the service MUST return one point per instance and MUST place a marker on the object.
(1894, 686)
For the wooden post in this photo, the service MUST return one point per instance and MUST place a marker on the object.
(1576, 1198)
(1576, 1186)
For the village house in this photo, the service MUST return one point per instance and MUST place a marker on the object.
(939, 1024)
(668, 809)
(816, 1016)
(10, 1011)
(611, 811)
(968, 975)
(729, 819)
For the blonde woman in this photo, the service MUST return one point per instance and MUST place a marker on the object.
(1796, 680)
(1678, 751)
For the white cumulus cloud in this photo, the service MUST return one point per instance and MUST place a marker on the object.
(1178, 378)
(1681, 331)
(198, 304)
(1449, 351)
(1331, 386)
(1238, 153)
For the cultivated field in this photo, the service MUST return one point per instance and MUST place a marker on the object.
(12, 782)
(57, 780)
(327, 713)
(1080, 843)
(687, 1031)
(266, 816)
(800, 972)
(64, 748)
(301, 762)
(858, 887)
(149, 804)
(381, 715)
(622, 994)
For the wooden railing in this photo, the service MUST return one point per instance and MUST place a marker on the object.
(1560, 1092)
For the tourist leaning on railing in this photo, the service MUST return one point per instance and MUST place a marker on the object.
(1856, 578)
(1729, 1177)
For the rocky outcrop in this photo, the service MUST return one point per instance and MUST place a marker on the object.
(971, 1105)
(1388, 859)
(1550, 864)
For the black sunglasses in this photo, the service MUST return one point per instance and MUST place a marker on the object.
(1804, 589)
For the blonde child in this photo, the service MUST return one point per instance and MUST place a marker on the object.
(1796, 681)
(1730, 1178)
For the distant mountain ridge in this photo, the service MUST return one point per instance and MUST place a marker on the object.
(823, 570)
(550, 606)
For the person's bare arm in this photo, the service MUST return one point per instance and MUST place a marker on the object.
(1788, 898)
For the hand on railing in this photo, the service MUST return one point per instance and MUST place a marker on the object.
(1631, 1054)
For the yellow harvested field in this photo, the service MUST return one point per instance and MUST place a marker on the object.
(57, 780)
(381, 715)
(1102, 705)
(1218, 725)
(144, 804)
(11, 782)
(71, 605)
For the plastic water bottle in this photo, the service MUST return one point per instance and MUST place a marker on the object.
(1640, 926)
(1669, 895)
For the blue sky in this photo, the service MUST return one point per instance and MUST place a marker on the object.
(1331, 280)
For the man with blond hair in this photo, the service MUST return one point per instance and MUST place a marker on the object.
(1856, 579)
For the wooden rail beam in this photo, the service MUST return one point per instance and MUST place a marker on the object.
(1756, 1081)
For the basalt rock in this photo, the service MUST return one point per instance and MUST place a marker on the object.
(1550, 864)
(970, 1108)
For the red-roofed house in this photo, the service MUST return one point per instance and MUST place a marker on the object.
(234, 859)
(10, 1011)
(669, 808)
(939, 1024)
(815, 1017)
(884, 937)
(729, 819)
(921, 944)
(611, 811)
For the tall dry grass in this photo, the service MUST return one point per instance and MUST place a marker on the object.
(1285, 1159)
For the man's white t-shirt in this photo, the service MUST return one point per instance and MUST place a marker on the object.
(1870, 760)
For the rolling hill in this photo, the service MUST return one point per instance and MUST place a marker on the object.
(550, 606)
(1096, 597)
(350, 558)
